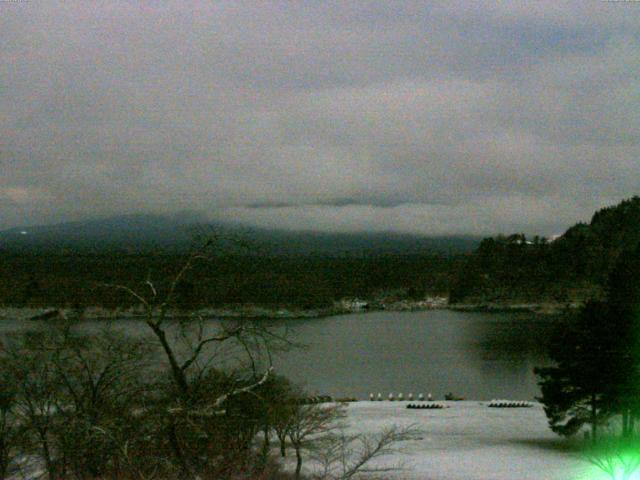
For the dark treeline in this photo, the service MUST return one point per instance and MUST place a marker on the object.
(71, 279)
(573, 267)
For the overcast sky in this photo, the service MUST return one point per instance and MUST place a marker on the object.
(439, 117)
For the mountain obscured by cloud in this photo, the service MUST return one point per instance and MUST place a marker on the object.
(424, 117)
(181, 233)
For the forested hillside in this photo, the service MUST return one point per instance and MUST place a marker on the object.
(571, 268)
(56, 279)
(64, 264)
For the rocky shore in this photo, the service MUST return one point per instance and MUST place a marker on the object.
(345, 306)
(537, 308)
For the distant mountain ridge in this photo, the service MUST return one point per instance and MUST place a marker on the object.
(119, 232)
(149, 233)
(573, 267)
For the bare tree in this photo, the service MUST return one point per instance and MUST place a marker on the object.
(67, 388)
(9, 429)
(320, 431)
(307, 424)
(157, 312)
(35, 383)
(284, 411)
(99, 387)
(193, 366)
(343, 456)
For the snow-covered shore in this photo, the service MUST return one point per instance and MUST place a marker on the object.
(465, 441)
(470, 441)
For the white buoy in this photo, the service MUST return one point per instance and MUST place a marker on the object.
(421, 397)
(371, 397)
(391, 399)
(410, 396)
(379, 397)
(429, 398)
(400, 396)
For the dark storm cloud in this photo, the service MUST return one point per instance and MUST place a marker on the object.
(456, 117)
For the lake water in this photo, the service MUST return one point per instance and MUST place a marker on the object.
(474, 355)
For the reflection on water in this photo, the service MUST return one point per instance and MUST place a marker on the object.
(514, 335)
(475, 355)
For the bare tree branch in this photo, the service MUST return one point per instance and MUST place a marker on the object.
(152, 287)
(215, 408)
(178, 278)
(128, 290)
(342, 456)
(198, 349)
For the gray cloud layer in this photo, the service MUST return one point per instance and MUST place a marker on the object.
(434, 117)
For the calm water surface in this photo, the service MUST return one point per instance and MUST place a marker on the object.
(474, 355)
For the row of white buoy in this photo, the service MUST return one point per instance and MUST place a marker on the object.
(391, 397)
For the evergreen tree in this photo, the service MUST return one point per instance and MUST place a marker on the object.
(597, 358)
(624, 304)
(577, 389)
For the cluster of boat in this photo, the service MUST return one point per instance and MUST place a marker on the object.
(426, 406)
(509, 404)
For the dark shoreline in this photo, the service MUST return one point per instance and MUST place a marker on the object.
(272, 313)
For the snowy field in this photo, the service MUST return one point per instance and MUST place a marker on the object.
(470, 441)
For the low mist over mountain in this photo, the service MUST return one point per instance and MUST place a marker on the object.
(177, 233)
